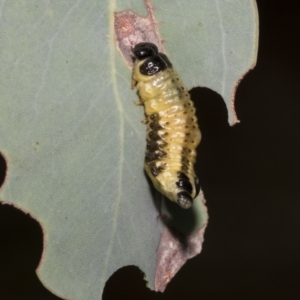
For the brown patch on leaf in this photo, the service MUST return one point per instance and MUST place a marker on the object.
(132, 29)
(173, 251)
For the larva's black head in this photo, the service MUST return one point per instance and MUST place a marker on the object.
(154, 60)
(144, 50)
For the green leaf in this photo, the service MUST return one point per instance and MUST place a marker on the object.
(72, 137)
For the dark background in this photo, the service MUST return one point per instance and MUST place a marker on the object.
(250, 174)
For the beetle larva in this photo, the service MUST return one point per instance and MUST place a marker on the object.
(172, 129)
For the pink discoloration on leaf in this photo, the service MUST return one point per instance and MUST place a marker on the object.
(132, 29)
(175, 246)
(174, 250)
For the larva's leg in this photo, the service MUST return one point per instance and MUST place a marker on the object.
(133, 83)
(145, 121)
(139, 102)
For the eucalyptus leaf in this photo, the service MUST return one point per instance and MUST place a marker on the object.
(72, 137)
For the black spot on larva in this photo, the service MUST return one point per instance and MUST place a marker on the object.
(154, 117)
(184, 183)
(152, 145)
(155, 126)
(160, 154)
(185, 160)
(155, 155)
(153, 136)
(184, 168)
(154, 169)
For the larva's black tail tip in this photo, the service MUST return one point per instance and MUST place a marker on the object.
(184, 200)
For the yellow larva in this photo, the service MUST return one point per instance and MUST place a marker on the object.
(172, 129)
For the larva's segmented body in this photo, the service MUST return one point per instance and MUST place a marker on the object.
(172, 130)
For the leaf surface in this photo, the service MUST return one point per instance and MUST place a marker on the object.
(72, 137)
